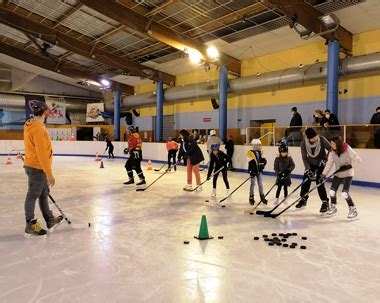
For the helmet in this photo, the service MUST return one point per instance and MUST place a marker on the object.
(215, 146)
(213, 132)
(132, 129)
(283, 148)
(169, 138)
(255, 142)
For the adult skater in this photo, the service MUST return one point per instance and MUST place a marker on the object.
(194, 156)
(230, 151)
(314, 149)
(283, 166)
(376, 129)
(214, 139)
(172, 148)
(255, 168)
(38, 161)
(341, 158)
(110, 148)
(218, 160)
(135, 157)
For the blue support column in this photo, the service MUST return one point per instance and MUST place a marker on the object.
(333, 77)
(116, 113)
(159, 111)
(223, 91)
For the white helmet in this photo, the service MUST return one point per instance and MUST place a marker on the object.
(213, 132)
(256, 142)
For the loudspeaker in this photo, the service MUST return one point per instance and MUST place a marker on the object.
(214, 104)
(136, 113)
(128, 118)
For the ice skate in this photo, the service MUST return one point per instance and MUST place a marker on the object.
(352, 213)
(199, 189)
(324, 207)
(301, 204)
(129, 182)
(263, 200)
(228, 191)
(332, 210)
(188, 187)
(252, 199)
(213, 195)
(141, 184)
(34, 229)
(53, 223)
(276, 202)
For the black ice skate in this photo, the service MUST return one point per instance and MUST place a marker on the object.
(324, 207)
(32, 228)
(252, 199)
(141, 184)
(301, 204)
(263, 200)
(53, 223)
(129, 182)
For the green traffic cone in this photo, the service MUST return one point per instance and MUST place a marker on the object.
(203, 230)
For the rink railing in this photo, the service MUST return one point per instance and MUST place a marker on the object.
(357, 136)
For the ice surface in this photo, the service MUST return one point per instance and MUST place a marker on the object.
(134, 251)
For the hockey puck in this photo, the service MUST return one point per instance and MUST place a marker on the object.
(251, 213)
(265, 236)
(288, 234)
(186, 242)
(220, 237)
(267, 239)
(270, 243)
(256, 238)
(303, 247)
(207, 200)
(274, 234)
(89, 224)
(285, 245)
(294, 234)
(283, 240)
(281, 235)
(278, 244)
(294, 244)
(223, 206)
(304, 238)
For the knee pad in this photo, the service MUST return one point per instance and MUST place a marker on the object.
(332, 193)
(345, 195)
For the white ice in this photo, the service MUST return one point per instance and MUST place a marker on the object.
(134, 250)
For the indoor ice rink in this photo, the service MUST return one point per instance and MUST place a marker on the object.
(94, 97)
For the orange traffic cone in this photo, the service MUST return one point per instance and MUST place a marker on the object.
(9, 161)
(150, 166)
(97, 157)
(18, 156)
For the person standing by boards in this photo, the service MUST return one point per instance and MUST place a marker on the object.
(194, 156)
(172, 148)
(110, 148)
(38, 168)
(135, 157)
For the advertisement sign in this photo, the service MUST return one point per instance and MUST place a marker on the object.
(94, 111)
(57, 108)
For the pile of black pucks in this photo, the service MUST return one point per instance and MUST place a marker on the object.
(282, 239)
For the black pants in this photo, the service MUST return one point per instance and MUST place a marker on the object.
(215, 179)
(229, 155)
(134, 163)
(110, 153)
(279, 187)
(172, 154)
(345, 192)
(321, 189)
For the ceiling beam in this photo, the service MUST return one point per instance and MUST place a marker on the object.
(159, 8)
(157, 31)
(47, 64)
(68, 14)
(308, 16)
(82, 48)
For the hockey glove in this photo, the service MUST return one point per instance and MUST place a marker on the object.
(345, 167)
(311, 174)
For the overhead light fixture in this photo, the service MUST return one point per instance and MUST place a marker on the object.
(194, 55)
(301, 30)
(330, 21)
(105, 82)
(212, 52)
(93, 82)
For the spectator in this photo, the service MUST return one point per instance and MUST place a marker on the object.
(196, 134)
(376, 130)
(230, 151)
(213, 139)
(329, 123)
(318, 117)
(293, 134)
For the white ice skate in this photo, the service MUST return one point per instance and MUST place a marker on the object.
(332, 210)
(188, 187)
(353, 213)
(276, 202)
(199, 189)
(213, 195)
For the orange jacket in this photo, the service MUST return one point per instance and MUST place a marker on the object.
(134, 141)
(38, 149)
(171, 145)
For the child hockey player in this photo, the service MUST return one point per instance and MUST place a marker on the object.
(134, 160)
(341, 158)
(255, 168)
(283, 166)
(172, 148)
(218, 160)
(110, 148)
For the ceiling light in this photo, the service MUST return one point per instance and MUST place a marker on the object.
(194, 55)
(330, 21)
(301, 30)
(93, 82)
(105, 82)
(212, 52)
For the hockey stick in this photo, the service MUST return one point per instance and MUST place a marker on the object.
(268, 192)
(234, 190)
(195, 188)
(159, 169)
(267, 212)
(168, 170)
(300, 198)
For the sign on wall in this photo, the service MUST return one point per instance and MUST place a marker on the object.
(208, 119)
(57, 108)
(94, 112)
(29, 101)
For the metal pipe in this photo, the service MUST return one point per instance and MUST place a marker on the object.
(223, 92)
(159, 111)
(332, 77)
(116, 114)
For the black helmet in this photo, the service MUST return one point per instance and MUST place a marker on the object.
(132, 129)
(283, 148)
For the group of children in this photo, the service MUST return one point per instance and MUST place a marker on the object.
(320, 157)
